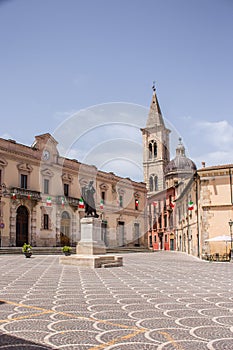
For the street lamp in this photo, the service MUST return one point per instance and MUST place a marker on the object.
(230, 225)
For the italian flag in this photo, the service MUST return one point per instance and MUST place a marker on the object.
(136, 202)
(154, 204)
(81, 203)
(29, 196)
(172, 205)
(101, 204)
(62, 202)
(13, 196)
(49, 201)
(190, 205)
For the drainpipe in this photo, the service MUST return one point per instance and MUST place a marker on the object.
(230, 175)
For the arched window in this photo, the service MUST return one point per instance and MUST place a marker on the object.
(156, 183)
(155, 149)
(150, 150)
(65, 215)
(151, 183)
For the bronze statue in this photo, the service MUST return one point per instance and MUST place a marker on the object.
(88, 198)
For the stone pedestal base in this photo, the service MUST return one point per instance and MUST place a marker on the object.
(94, 261)
(91, 242)
(91, 250)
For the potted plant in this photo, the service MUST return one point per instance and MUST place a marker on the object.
(66, 250)
(27, 250)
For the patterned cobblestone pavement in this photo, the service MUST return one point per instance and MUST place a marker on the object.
(156, 301)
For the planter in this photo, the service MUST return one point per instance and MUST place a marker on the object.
(27, 254)
(67, 253)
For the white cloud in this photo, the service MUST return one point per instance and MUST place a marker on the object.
(214, 158)
(218, 134)
(209, 141)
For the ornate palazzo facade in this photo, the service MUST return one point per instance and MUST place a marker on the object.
(40, 198)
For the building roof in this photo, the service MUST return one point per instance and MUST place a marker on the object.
(180, 164)
(155, 114)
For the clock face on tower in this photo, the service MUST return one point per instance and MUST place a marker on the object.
(46, 155)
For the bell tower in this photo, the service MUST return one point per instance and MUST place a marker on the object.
(156, 153)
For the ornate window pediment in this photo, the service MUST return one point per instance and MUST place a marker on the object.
(66, 177)
(121, 191)
(137, 195)
(24, 167)
(47, 173)
(104, 187)
(3, 162)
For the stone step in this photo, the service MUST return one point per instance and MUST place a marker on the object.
(35, 250)
(111, 264)
(120, 250)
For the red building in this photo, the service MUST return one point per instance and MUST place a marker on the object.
(161, 233)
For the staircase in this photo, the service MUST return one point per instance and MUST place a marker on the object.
(35, 250)
(58, 250)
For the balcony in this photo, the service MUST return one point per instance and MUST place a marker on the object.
(22, 193)
(63, 200)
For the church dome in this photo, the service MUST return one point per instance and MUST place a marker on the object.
(180, 165)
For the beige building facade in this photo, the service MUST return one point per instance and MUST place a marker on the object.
(41, 198)
(211, 191)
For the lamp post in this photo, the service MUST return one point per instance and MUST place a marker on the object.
(230, 225)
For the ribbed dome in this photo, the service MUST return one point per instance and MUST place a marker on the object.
(180, 164)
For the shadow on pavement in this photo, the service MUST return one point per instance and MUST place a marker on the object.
(8, 342)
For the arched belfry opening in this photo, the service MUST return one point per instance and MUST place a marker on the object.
(152, 149)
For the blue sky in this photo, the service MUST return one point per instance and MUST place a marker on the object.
(60, 57)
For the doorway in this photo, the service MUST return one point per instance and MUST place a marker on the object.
(65, 229)
(121, 233)
(21, 226)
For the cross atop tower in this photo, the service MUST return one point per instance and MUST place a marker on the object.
(153, 87)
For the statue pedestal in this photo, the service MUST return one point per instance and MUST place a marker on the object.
(91, 242)
(91, 250)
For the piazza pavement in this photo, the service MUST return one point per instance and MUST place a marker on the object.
(155, 301)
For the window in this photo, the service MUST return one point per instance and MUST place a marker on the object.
(103, 197)
(137, 234)
(171, 220)
(121, 201)
(150, 241)
(46, 222)
(24, 181)
(150, 150)
(66, 190)
(156, 183)
(155, 238)
(46, 186)
(160, 221)
(155, 149)
(151, 183)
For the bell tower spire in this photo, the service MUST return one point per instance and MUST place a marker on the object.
(155, 147)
